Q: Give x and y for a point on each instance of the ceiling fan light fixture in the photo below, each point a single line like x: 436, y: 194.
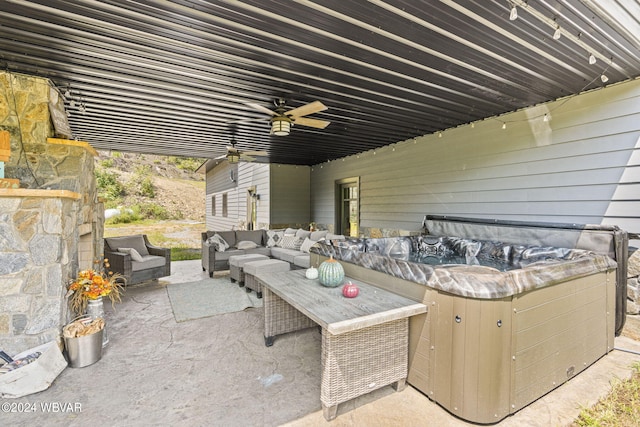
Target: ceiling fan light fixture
x: 233, y: 157
x: 280, y: 126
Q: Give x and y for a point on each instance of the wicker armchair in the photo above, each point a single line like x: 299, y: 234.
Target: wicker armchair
x: 146, y: 262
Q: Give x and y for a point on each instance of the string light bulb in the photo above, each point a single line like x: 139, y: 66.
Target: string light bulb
x: 513, y: 15
x: 557, y: 33
x: 504, y: 125
x: 545, y: 118
x: 604, y: 78
x: 592, y: 59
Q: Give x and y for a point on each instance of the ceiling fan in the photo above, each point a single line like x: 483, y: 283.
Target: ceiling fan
x: 234, y: 155
x: 284, y: 119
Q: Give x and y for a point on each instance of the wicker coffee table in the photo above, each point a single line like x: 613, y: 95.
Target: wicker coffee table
x: 364, y: 339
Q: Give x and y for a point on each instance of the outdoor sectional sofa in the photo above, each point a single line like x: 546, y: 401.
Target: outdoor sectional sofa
x: 290, y: 245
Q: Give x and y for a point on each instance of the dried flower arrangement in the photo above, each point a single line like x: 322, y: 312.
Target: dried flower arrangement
x: 92, y: 284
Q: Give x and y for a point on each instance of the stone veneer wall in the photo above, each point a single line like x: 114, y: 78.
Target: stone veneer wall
x: 40, y: 222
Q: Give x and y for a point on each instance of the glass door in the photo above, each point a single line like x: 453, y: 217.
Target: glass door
x: 349, y: 207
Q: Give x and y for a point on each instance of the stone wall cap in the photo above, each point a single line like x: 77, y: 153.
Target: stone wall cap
x: 30, y: 192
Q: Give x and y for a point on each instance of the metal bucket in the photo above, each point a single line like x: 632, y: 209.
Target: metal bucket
x: 84, y: 351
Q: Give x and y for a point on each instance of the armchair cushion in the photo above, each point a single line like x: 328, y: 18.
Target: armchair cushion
x: 135, y: 255
x: 149, y: 261
x: 136, y: 242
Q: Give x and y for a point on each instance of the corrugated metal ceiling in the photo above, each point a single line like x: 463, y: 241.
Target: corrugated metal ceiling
x: 175, y: 77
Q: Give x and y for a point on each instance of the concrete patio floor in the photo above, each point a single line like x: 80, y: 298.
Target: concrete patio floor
x: 217, y: 371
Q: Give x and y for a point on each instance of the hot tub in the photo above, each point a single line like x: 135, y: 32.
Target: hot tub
x: 506, y: 323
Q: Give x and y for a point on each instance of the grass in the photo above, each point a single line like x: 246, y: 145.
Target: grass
x: 620, y: 408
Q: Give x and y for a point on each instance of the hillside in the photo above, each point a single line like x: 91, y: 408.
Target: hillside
x: 165, y: 193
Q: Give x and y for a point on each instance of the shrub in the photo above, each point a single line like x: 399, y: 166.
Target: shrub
x: 107, y: 163
x: 108, y: 185
x: 147, y: 188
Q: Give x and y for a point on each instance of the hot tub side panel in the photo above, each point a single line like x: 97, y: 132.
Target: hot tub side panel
x: 471, y: 356
x: 559, y: 331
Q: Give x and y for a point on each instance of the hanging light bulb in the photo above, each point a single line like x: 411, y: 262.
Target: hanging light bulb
x: 546, y: 117
x: 557, y: 33
x: 72, y: 103
x: 67, y: 93
x: 514, y: 13
x: 592, y: 59
x: 504, y: 125
x: 604, y: 78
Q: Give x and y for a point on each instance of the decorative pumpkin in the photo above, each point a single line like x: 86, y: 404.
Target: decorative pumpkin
x: 331, y: 273
x: 350, y: 290
x: 311, y: 273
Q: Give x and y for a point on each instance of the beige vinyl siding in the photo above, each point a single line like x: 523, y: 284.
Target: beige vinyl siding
x: 581, y: 166
x: 258, y: 175
x: 289, y: 195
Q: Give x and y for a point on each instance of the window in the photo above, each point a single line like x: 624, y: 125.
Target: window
x: 224, y: 205
x: 213, y: 205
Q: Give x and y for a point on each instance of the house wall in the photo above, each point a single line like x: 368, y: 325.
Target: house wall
x: 290, y: 198
x: 219, y: 182
x: 581, y: 166
x: 284, y: 195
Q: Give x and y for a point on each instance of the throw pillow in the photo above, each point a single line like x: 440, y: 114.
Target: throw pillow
x: 218, y: 243
x: 135, y: 255
x: 290, y: 242
x: 274, y: 237
x: 246, y: 244
x: 306, y: 245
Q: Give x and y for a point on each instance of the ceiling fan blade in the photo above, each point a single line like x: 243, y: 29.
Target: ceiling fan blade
x: 247, y: 158
x: 314, y: 123
x: 261, y: 108
x: 255, y: 153
x: 241, y: 121
x: 224, y: 156
x: 310, y: 108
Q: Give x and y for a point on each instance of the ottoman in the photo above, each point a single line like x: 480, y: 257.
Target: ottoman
x: 236, y: 262
x: 254, y: 267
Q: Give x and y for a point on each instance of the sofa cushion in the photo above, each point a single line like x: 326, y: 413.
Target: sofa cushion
x: 246, y: 244
x: 229, y: 237
x: 219, y: 243
x: 224, y: 256
x: 135, y: 255
x: 302, y: 234
x: 274, y: 237
x: 285, y: 254
x: 290, y: 231
x: 148, y: 261
x: 261, y: 250
x: 255, y: 236
x: 331, y: 236
x: 317, y: 235
x: 303, y: 261
x: 136, y: 242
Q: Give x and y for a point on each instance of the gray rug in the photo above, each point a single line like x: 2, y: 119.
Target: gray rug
x: 209, y: 297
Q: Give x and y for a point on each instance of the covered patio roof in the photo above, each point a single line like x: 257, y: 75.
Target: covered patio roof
x: 176, y: 77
